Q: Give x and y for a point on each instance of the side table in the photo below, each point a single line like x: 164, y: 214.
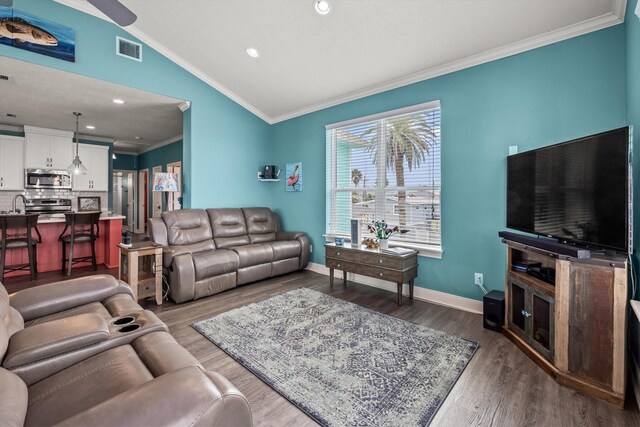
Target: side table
x: 141, y: 268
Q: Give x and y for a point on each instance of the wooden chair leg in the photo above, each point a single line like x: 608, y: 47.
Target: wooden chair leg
x: 64, y: 256
x: 35, y: 258
x: 32, y: 266
x: 70, y: 259
x: 3, y: 257
x: 93, y: 255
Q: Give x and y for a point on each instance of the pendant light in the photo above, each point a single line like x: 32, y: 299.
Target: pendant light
x: 76, y: 167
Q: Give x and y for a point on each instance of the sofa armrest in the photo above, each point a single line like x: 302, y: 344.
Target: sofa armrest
x: 288, y: 235
x: 187, y: 396
x: 13, y: 399
x: 158, y: 231
x: 305, y: 244
x: 182, y: 278
x: 53, y: 338
x: 56, y: 297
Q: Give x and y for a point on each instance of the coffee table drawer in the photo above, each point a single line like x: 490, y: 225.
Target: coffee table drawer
x: 365, y: 270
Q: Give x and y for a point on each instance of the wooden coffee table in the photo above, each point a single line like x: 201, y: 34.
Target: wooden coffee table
x: 398, y: 268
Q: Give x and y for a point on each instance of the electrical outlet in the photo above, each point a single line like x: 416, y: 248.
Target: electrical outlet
x: 479, y: 279
x: 310, y: 249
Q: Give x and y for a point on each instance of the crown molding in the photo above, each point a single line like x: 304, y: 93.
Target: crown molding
x: 521, y: 46
x: 616, y: 16
x: 161, y: 144
x: 12, y: 128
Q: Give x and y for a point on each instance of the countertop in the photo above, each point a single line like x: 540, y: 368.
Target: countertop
x: 53, y: 218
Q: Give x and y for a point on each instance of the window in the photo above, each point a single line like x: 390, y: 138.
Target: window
x: 387, y: 166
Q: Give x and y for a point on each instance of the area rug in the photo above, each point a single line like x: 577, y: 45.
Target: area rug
x: 342, y: 364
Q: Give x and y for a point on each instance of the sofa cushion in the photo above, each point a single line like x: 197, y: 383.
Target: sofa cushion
x: 250, y: 255
x: 229, y: 227
x: 187, y: 226
x: 173, y: 251
x: 260, y: 224
x: 285, y: 249
x: 215, y: 263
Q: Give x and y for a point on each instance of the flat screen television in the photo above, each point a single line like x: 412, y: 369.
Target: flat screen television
x: 576, y: 191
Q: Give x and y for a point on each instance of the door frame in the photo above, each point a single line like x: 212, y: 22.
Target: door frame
x: 159, y: 194
x: 143, y: 206
x: 135, y: 194
x: 173, y: 199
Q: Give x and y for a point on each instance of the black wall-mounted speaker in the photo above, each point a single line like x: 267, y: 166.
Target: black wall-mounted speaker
x: 493, y: 311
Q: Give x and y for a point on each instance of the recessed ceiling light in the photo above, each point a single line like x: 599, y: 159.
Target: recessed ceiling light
x: 253, y: 52
x: 91, y: 127
x: 323, y: 7
x: 118, y: 101
x: 137, y: 137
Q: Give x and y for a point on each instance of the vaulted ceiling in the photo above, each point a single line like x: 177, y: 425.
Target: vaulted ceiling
x: 308, y: 61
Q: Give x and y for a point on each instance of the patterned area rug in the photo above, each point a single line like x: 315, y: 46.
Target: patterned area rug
x: 341, y: 363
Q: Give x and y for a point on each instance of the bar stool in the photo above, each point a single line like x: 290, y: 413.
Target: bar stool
x: 83, y: 228
x: 17, y: 233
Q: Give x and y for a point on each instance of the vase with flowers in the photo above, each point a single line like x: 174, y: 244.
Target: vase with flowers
x: 383, y: 231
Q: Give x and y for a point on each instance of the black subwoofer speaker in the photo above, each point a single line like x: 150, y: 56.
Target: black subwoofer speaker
x: 493, y: 311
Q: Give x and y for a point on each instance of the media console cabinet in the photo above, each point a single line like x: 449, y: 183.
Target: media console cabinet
x: 373, y: 263
x: 575, y: 330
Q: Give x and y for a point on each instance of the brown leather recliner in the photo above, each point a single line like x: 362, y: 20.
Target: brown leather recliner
x: 139, y: 379
x: 207, y: 252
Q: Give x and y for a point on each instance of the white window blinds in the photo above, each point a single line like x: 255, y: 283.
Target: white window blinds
x: 387, y: 167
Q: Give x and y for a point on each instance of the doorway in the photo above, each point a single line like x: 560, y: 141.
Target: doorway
x: 125, y: 196
x: 157, y: 195
x: 175, y: 198
x: 143, y: 192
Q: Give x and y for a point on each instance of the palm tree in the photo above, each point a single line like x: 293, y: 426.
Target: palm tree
x: 356, y: 176
x: 406, y: 138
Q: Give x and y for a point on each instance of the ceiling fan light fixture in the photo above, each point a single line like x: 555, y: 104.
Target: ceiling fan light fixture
x: 322, y: 7
x: 253, y: 52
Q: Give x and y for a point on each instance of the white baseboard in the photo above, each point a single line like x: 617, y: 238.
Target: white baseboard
x: 436, y: 297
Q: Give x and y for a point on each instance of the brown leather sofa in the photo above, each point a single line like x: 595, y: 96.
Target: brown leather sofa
x: 102, y: 361
x: 209, y: 251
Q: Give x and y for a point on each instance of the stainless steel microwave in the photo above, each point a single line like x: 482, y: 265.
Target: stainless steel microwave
x: 47, y: 179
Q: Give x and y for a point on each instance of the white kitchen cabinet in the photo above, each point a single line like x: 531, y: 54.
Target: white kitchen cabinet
x: 47, y: 148
x: 96, y: 159
x: 11, y: 161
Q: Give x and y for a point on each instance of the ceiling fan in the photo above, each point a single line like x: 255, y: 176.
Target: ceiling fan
x: 115, y: 10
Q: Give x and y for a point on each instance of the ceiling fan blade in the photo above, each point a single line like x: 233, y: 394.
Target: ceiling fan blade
x: 6, y: 3
x: 115, y: 10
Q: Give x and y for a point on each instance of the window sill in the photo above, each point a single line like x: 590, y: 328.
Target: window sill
x: 426, y: 251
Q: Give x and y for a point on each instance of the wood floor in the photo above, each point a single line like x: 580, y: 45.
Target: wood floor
x: 499, y: 387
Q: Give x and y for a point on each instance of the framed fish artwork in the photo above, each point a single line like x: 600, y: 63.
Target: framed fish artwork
x: 25, y: 31
x: 294, y: 176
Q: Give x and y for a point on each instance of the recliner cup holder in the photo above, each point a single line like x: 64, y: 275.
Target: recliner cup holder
x: 124, y: 320
x: 129, y: 328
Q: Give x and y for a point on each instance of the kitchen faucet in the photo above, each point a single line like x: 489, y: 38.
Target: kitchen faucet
x: 15, y: 199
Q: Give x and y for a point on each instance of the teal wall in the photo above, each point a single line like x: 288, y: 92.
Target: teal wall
x: 632, y: 27
x: 222, y: 138
x: 125, y: 162
x: 544, y: 96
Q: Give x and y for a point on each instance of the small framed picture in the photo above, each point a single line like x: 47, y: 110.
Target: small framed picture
x: 88, y: 204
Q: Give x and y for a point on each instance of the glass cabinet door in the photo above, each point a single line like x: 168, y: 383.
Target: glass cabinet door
x: 517, y: 295
x: 542, y: 323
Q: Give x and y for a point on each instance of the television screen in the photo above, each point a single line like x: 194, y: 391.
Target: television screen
x: 576, y: 191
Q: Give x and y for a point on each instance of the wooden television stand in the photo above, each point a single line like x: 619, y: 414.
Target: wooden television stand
x: 575, y: 330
